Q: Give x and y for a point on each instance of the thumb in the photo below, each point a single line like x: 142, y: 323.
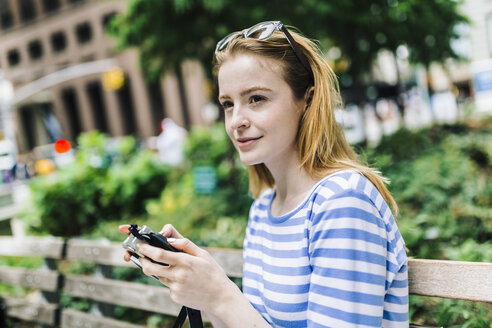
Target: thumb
x: 185, y: 245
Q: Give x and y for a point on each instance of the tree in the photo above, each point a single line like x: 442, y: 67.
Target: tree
x: 169, y: 31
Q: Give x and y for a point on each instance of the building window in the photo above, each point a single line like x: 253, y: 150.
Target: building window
x: 71, y: 106
x: 7, y: 20
x: 58, y: 41
x: 83, y: 32
x: 27, y: 12
x: 127, y: 111
x: 107, y: 18
x: 95, y: 95
x: 13, y: 57
x: 51, y: 5
x: 6, y: 15
x: 35, y: 49
x: 28, y: 121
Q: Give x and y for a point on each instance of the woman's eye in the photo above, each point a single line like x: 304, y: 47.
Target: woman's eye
x: 256, y: 99
x: 227, y: 104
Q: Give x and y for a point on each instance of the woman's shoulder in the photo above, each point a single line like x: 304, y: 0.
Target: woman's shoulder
x: 348, y: 186
x: 350, y: 189
x: 344, y: 181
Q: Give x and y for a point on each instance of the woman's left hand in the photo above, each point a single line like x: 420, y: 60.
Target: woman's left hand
x: 194, y: 278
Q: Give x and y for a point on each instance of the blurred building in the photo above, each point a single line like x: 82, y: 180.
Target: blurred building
x: 478, y: 40
x: 58, y: 43
x: 472, y: 77
x: 468, y: 79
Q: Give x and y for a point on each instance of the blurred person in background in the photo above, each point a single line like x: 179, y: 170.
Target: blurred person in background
x: 322, y: 248
x: 170, y: 142
x: 7, y: 159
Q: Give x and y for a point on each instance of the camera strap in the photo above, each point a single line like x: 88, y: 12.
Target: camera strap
x: 194, y: 318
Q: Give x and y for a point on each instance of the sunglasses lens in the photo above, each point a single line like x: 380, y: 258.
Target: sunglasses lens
x: 225, y: 41
x: 262, y: 31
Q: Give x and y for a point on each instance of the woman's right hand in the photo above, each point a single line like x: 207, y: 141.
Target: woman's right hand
x: 167, y: 231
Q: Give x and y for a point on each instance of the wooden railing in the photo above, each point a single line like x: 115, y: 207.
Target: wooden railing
x: 448, y: 279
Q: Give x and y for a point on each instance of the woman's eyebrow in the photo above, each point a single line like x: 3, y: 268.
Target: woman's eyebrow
x: 252, y: 89
x: 247, y: 91
x: 223, y: 97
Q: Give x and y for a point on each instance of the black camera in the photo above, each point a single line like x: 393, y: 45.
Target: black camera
x: 145, y: 235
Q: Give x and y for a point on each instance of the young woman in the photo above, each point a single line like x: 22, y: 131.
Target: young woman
x: 322, y: 248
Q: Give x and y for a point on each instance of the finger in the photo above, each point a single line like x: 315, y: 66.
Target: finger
x: 170, y: 232
x: 124, y: 229
x: 186, y: 246
x: 158, y: 254
x: 153, y: 269
x: 127, y: 256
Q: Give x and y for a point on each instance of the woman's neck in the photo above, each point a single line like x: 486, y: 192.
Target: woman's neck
x: 292, y: 183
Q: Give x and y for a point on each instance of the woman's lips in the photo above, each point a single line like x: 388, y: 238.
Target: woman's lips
x: 246, y: 142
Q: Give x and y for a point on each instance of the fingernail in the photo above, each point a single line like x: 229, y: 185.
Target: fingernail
x: 171, y: 240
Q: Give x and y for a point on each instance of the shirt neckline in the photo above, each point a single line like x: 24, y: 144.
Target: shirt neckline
x: 286, y: 216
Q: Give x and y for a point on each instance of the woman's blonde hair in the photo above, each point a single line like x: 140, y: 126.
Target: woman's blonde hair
x: 321, y: 144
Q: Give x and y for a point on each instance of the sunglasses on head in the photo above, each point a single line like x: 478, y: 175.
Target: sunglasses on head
x: 263, y: 31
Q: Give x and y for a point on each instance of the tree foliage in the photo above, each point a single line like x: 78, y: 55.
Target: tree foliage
x: 169, y: 31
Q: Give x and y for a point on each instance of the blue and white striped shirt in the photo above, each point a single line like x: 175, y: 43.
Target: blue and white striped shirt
x: 337, y: 260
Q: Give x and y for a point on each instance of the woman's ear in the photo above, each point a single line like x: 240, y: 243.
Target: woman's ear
x: 308, y: 96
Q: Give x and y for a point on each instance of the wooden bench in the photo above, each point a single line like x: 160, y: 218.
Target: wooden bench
x: 9, y: 210
x: 448, y: 279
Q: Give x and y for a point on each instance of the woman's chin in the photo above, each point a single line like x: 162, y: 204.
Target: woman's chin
x: 248, y: 160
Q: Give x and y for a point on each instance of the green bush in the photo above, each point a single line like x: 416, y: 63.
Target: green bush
x: 107, y: 181
x: 441, y: 179
x: 444, y: 193
x: 128, y: 186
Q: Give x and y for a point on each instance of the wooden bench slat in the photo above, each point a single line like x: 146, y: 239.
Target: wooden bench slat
x: 30, y: 311
x: 100, y: 252
x: 451, y: 279
x: 231, y: 260
x: 39, y: 279
x: 134, y: 295
x: 110, y: 253
x: 51, y: 247
x: 76, y: 319
x: 9, y: 212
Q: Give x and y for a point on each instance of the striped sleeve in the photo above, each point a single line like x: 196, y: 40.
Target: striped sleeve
x: 348, y: 253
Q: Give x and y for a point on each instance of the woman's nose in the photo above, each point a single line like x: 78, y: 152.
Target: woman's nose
x: 239, y: 120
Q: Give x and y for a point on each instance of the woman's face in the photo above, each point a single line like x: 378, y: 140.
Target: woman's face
x: 261, y: 113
